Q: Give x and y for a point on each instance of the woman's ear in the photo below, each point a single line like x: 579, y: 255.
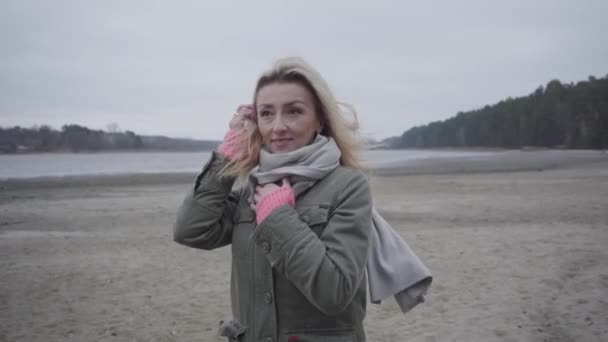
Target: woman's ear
x: 321, y: 129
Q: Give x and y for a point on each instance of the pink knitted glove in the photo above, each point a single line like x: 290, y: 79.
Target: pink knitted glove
x: 229, y: 147
x: 274, y: 199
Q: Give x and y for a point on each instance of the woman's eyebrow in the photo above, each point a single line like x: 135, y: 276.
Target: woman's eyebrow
x: 290, y: 103
x: 294, y: 102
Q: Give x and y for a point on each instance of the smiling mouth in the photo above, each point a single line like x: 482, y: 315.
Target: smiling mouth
x: 281, y: 140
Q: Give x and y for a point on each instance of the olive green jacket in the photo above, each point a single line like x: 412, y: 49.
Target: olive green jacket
x: 300, y: 274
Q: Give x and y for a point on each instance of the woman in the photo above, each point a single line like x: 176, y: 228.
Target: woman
x: 300, y: 229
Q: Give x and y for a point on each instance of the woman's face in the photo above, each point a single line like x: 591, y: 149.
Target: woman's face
x: 286, y: 116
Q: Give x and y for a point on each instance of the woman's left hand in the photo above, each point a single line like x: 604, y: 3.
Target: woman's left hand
x: 263, y: 190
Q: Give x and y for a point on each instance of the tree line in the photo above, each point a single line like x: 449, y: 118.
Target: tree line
x: 73, y: 138
x: 558, y: 115
x: 77, y: 138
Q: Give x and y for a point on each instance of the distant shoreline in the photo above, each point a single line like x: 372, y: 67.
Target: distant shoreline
x: 508, y: 161
x: 464, y: 149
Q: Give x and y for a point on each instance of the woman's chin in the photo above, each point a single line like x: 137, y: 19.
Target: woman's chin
x: 281, y: 150
x: 282, y: 147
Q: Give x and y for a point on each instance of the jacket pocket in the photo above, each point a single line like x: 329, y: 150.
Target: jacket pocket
x: 315, y: 217
x: 232, y: 330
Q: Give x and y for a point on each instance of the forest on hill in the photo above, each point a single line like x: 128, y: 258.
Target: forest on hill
x: 556, y: 116
x: 77, y: 138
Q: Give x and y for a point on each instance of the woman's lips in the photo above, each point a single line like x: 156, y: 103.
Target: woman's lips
x: 281, y: 142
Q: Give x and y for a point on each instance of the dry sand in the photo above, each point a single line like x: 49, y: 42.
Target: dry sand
x: 517, y: 256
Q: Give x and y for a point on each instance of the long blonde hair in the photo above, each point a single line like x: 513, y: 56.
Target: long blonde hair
x: 330, y: 112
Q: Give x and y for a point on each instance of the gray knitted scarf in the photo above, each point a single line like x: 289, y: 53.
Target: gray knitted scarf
x: 392, y: 267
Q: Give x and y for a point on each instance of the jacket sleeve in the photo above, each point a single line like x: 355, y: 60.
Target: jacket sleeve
x: 327, y: 269
x: 205, y: 218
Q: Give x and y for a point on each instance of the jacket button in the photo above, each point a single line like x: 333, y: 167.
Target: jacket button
x: 305, y: 219
x: 265, y: 246
x: 268, y: 297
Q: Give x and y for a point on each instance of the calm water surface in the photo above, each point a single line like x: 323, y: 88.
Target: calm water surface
x: 44, y: 165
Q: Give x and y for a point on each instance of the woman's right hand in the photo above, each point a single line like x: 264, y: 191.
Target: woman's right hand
x: 243, y: 117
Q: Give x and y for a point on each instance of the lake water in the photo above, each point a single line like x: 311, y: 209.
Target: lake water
x: 45, y: 165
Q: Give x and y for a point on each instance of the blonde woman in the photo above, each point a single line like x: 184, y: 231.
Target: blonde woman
x: 299, y: 232
x: 302, y: 230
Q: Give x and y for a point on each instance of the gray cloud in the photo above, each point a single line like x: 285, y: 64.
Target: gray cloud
x: 180, y: 68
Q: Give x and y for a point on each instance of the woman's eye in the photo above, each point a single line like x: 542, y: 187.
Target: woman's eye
x: 264, y: 113
x: 294, y: 111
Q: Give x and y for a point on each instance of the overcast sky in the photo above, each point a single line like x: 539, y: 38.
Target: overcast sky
x: 180, y: 68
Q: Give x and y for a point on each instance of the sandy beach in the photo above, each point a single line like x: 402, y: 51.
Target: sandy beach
x: 518, y: 247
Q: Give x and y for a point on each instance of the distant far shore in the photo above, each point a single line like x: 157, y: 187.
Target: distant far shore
x: 506, y: 161
x: 150, y: 150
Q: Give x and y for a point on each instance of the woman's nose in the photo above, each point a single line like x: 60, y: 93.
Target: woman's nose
x: 278, y: 124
